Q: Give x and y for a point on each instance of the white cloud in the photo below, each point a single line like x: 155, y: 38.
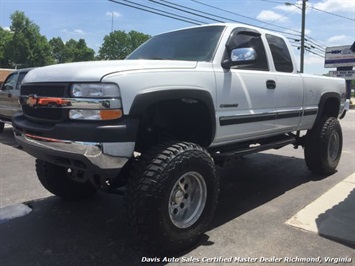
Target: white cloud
x: 113, y: 13
x: 312, y: 59
x: 5, y: 28
x: 268, y: 15
x: 336, y: 5
x: 74, y: 32
x: 340, y: 40
x: 79, y: 31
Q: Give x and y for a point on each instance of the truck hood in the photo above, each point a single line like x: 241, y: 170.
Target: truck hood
x: 94, y: 71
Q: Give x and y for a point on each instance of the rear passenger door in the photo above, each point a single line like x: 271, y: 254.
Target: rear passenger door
x: 288, y: 91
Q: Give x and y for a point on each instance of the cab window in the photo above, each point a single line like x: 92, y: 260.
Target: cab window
x: 280, y: 53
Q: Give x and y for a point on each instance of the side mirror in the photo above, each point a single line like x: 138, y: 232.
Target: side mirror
x: 240, y: 56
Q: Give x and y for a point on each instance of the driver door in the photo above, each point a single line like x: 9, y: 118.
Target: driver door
x: 6, y: 94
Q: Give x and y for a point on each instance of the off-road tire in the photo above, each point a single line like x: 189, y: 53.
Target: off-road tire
x: 155, y: 180
x: 2, y: 126
x: 57, y: 181
x: 323, y: 146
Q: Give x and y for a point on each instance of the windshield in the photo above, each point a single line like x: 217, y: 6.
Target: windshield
x: 195, y: 44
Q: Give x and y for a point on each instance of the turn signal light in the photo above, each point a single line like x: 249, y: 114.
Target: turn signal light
x: 110, y: 114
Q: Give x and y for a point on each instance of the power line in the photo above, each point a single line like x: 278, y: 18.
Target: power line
x: 330, y: 13
x: 281, y: 17
x: 189, y: 12
x: 243, y: 16
x: 192, y: 20
x: 260, y: 21
x: 160, y: 12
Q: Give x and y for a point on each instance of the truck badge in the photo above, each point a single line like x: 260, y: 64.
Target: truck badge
x: 31, y: 100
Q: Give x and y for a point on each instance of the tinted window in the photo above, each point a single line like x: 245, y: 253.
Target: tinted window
x: 195, y: 44
x: 280, y: 53
x: 20, y: 78
x: 244, y: 39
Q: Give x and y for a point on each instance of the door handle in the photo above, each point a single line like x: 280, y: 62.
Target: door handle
x: 271, y: 84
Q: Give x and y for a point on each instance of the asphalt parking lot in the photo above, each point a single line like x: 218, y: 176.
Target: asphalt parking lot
x: 259, y: 194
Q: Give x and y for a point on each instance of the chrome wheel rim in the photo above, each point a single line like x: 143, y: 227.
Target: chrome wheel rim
x: 334, y: 146
x: 187, y: 199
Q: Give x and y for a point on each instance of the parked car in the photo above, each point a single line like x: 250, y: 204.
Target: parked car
x: 9, y: 96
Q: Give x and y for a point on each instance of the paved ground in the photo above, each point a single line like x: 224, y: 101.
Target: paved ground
x: 259, y: 194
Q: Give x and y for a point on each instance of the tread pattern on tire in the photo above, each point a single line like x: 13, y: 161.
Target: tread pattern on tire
x: 148, y: 180
x: 317, y: 145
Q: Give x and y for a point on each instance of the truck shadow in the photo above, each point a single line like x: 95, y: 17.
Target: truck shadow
x: 96, y: 232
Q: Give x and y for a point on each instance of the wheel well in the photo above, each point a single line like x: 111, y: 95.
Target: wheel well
x: 178, y: 119
x: 330, y: 107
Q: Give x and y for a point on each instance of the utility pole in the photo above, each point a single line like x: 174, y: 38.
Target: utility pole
x: 303, y: 33
x: 112, y: 22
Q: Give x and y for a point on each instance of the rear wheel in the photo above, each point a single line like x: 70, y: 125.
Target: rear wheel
x: 324, y: 146
x: 56, y: 179
x: 172, y: 195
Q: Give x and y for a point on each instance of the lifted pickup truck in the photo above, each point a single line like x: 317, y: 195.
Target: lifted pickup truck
x: 153, y: 126
x: 9, y: 96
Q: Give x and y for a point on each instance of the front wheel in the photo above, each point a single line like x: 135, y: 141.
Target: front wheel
x: 172, y: 195
x: 324, y: 146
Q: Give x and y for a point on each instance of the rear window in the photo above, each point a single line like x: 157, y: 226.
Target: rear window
x: 280, y: 53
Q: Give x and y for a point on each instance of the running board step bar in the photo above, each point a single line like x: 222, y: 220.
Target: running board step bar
x: 266, y: 145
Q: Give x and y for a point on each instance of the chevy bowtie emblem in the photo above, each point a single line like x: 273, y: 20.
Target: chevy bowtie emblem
x: 31, y: 100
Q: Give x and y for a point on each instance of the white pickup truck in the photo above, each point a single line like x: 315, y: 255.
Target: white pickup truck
x: 153, y: 126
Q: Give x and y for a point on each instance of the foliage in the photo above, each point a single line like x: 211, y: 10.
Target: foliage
x: 71, y: 51
x: 5, y: 37
x: 24, y: 46
x: 27, y: 47
x: 119, y: 44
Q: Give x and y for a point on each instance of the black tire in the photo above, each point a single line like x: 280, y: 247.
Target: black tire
x: 2, y: 126
x: 324, y: 146
x: 167, y: 182
x: 57, y: 181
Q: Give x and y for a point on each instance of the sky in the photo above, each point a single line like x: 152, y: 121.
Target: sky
x: 328, y: 22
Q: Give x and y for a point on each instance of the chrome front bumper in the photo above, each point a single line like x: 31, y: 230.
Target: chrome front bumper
x: 88, y: 155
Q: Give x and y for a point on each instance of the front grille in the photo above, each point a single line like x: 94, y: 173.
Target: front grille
x: 50, y: 90
x: 45, y: 115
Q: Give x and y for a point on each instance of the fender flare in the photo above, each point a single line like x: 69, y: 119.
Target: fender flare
x: 142, y: 101
x: 323, y: 100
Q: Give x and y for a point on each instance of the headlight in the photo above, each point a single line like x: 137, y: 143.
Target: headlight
x: 94, y: 90
x: 91, y: 109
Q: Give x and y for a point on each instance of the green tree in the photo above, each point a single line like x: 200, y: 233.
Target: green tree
x: 82, y: 52
x: 5, y: 37
x: 71, y: 51
x: 119, y: 44
x: 27, y: 47
x: 58, y: 49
